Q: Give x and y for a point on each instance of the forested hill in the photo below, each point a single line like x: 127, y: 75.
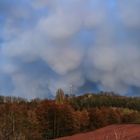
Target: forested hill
x: 106, y: 99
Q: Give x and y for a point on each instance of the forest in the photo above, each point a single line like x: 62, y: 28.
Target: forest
x: 46, y: 119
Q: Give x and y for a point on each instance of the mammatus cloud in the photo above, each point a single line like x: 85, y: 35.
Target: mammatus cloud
x: 69, y: 43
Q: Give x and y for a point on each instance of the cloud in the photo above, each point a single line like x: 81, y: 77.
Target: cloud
x: 116, y: 68
x: 71, y: 43
x: 129, y: 13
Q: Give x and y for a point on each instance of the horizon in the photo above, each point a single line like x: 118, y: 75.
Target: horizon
x: 104, y: 93
x: 77, y: 45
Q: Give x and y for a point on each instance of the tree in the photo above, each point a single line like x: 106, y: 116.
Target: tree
x: 60, y: 97
x: 96, y: 118
x: 56, y: 120
x: 82, y: 119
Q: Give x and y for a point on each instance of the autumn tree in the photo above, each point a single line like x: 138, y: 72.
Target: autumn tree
x: 55, y: 120
x: 96, y: 118
x: 82, y: 118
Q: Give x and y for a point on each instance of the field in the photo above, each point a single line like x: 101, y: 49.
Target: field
x: 113, y: 132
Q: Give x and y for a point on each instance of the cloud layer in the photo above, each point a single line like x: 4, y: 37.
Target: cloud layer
x: 48, y: 44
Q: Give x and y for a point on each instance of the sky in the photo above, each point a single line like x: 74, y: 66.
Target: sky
x: 77, y: 45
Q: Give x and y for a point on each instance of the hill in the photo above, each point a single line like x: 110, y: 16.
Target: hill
x: 113, y: 132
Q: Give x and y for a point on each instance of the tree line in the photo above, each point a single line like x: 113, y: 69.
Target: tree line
x: 107, y: 99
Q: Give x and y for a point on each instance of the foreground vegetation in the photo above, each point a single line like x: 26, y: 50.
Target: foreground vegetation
x: 66, y: 115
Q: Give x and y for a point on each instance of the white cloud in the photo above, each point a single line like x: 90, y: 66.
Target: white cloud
x: 109, y: 60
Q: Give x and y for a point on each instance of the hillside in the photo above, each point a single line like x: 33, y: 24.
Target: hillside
x: 113, y: 132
